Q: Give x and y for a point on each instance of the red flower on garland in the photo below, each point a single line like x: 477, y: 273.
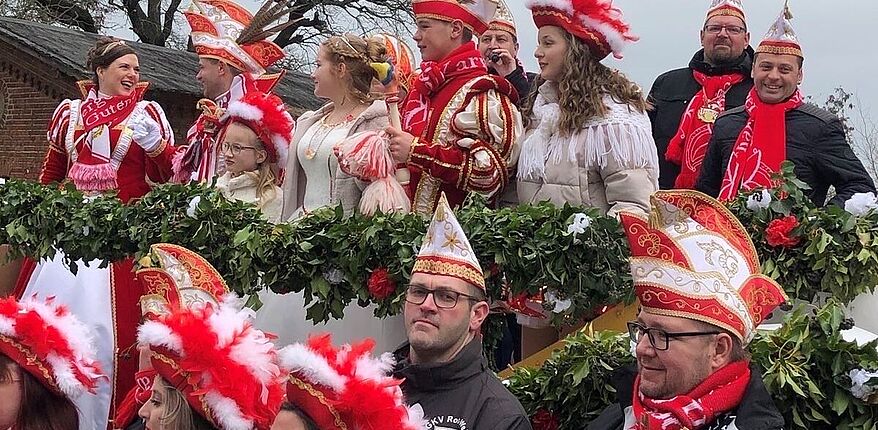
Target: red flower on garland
x: 544, y: 420
x: 778, y: 232
x: 380, y: 284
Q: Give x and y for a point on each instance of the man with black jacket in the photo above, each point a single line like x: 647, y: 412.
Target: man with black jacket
x: 697, y: 315
x: 685, y: 102
x: 499, y: 48
x: 749, y: 143
x: 443, y: 367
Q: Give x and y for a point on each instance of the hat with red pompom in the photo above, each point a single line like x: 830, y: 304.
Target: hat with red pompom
x: 596, y: 22
x: 224, y: 367
x: 346, y: 387
x: 267, y: 116
x: 51, y: 344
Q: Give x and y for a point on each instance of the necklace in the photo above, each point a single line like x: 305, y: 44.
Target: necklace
x: 324, y: 129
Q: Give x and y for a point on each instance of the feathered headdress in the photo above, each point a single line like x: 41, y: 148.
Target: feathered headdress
x: 267, y: 116
x: 224, y: 367
x: 225, y: 30
x: 345, y: 388
x: 51, y: 344
x: 596, y: 22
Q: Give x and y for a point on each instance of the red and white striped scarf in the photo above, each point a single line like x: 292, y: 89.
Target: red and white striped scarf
x: 761, y: 147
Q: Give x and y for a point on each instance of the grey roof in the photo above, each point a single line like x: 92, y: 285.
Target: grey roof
x: 168, y: 70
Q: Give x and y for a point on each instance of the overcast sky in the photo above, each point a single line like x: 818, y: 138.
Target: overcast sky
x: 835, y: 36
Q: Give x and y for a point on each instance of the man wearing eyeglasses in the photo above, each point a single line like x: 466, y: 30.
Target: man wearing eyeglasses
x: 443, y: 367
x: 750, y: 143
x: 685, y: 102
x: 697, y: 276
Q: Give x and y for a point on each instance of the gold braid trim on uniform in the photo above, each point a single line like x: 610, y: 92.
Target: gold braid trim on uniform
x: 317, y: 394
x: 33, y: 360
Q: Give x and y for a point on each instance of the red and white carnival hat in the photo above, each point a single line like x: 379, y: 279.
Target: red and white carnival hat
x: 224, y: 367
x: 267, y: 116
x: 475, y: 14
x: 726, y: 8
x: 345, y: 387
x: 595, y: 22
x: 51, y: 344
x: 693, y: 259
x: 781, y: 39
x: 226, y: 31
x: 176, y: 277
x: 446, y: 250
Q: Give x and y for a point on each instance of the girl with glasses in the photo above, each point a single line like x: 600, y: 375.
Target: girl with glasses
x: 254, y: 146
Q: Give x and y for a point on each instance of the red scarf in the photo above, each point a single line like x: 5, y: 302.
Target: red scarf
x: 721, y: 392
x: 464, y: 60
x: 109, y: 111
x: 689, y: 146
x: 761, y: 146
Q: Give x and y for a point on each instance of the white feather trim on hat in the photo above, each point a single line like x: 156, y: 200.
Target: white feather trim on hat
x: 6, y: 327
x: 226, y: 412
x: 614, y: 37
x: 244, y: 111
x: 157, y: 334
x: 301, y: 359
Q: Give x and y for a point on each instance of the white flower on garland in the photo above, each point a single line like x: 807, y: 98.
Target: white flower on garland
x: 580, y: 222
x: 89, y: 198
x: 559, y: 306
x: 333, y: 276
x: 759, y: 201
x: 859, y: 380
x: 861, y: 203
x: 193, y: 206
x: 2, y: 182
x: 86, y: 230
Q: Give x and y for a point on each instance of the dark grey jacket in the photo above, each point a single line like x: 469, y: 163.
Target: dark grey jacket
x: 816, y: 144
x: 463, y: 394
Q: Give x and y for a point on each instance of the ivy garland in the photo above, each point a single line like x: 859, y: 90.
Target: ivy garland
x: 807, y: 367
x: 326, y: 255
x: 573, y: 252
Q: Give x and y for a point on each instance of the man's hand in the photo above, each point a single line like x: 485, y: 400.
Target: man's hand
x: 505, y: 63
x: 400, y: 144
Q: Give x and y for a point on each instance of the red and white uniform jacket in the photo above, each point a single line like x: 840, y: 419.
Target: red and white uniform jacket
x: 465, y: 136
x: 135, y: 169
x: 202, y: 159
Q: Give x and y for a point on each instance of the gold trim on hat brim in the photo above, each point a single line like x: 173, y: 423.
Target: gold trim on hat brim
x: 444, y: 267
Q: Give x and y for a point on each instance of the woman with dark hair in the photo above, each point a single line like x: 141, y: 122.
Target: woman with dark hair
x: 110, y: 141
x: 588, y: 141
x: 46, y: 359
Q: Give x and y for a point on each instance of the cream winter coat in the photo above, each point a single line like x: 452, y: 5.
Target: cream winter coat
x: 243, y: 188
x: 346, y: 188
x: 611, y: 164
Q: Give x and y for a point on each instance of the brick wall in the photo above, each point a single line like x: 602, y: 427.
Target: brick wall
x: 25, y: 111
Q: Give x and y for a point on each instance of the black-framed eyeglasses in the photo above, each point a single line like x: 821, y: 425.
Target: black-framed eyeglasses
x: 444, y: 298
x: 236, y: 149
x: 733, y: 30
x: 658, y: 338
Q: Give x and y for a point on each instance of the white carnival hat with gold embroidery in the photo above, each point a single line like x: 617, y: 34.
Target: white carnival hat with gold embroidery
x: 726, y: 8
x: 503, y: 19
x: 781, y: 39
x: 446, y: 250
